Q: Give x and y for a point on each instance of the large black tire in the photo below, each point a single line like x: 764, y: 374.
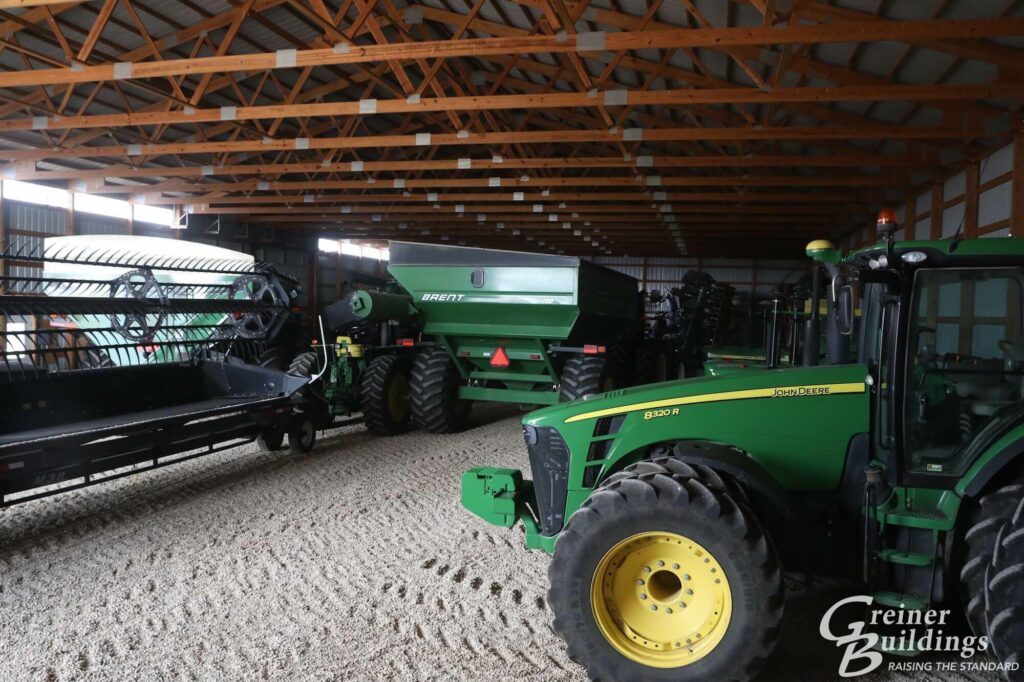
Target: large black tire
x: 665, y: 495
x: 303, y: 365
x: 1004, y: 593
x: 651, y: 365
x: 272, y: 358
x: 985, y: 518
x: 434, y: 393
x: 384, y: 395
x: 584, y: 375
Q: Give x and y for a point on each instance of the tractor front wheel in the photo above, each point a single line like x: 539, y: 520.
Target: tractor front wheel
x: 434, y: 393
x: 663, y: 575
x: 384, y: 395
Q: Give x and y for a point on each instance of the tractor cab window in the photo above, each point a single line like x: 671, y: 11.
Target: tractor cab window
x: 965, y: 364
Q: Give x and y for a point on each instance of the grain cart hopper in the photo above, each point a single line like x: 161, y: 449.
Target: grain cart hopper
x: 514, y: 327
x: 363, y: 361
x: 118, y: 353
x: 673, y: 509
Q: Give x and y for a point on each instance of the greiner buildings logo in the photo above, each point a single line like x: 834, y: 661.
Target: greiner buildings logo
x: 905, y: 631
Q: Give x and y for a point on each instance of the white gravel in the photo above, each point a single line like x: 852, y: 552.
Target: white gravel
x: 355, y: 561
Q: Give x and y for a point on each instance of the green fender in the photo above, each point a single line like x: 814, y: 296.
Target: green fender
x: 1006, y: 450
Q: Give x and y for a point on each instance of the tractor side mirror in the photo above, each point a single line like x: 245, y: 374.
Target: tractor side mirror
x: 844, y: 310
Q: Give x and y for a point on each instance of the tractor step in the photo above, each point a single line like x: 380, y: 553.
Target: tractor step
x: 895, y: 556
x: 911, y: 602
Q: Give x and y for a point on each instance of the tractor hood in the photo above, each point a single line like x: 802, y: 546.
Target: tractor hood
x: 789, y: 382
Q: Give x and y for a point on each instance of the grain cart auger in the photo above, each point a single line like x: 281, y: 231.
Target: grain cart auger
x: 118, y: 354
x: 672, y: 509
x: 363, y: 361
x: 514, y: 327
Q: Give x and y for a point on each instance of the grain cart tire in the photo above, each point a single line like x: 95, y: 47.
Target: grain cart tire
x: 270, y: 440
x: 434, y: 393
x: 1004, y: 593
x: 663, y: 575
x: 384, y: 395
x: 985, y: 518
x: 301, y: 434
x: 584, y: 375
x: 271, y: 358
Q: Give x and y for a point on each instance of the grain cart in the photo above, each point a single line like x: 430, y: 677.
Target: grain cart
x: 363, y: 361
x: 672, y: 509
x: 514, y: 327
x: 118, y: 354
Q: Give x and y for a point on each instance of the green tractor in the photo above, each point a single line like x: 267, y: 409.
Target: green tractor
x: 671, y: 510
x: 361, y: 365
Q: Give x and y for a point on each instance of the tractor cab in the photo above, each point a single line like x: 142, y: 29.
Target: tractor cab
x: 941, y: 334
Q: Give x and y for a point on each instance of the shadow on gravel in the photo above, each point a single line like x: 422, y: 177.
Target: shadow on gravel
x: 77, y: 511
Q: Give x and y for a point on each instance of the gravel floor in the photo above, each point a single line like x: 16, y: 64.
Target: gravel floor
x: 352, y: 562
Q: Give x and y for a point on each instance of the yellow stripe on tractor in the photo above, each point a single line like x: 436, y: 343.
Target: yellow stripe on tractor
x: 773, y: 392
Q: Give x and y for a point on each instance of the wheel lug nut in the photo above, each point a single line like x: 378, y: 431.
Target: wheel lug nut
x: 643, y: 596
x: 647, y: 569
x: 675, y: 566
x: 689, y: 591
x: 682, y: 605
x: 686, y: 576
x: 668, y: 609
x: 660, y: 562
x: 654, y: 607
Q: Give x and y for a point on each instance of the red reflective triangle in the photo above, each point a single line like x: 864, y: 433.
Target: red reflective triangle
x: 500, y: 358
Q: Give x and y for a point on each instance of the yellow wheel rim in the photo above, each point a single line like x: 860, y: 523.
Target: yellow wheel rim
x: 398, y: 397
x: 661, y: 599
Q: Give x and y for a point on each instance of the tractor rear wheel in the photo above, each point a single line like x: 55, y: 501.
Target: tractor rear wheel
x: 984, y: 521
x: 663, y: 575
x: 584, y: 375
x: 384, y: 395
x: 304, y: 365
x: 1004, y: 591
x: 434, y: 393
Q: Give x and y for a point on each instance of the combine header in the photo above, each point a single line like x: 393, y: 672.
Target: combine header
x: 124, y: 353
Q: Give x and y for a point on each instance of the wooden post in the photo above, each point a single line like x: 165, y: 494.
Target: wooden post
x: 910, y: 217
x: 1017, y: 184
x: 3, y: 268
x: 971, y: 175
x: 936, y: 211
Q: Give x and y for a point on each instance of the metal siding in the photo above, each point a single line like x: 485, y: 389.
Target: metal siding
x: 955, y: 186
x: 994, y: 205
x: 86, y: 223
x: 923, y: 204
x: 952, y: 218
x: 32, y: 218
x: 997, y: 163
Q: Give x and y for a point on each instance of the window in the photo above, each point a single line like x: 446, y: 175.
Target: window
x: 350, y: 249
x: 157, y: 215
x: 30, y: 193
x: 966, y: 363
x: 105, y: 206
x: 328, y: 245
x: 371, y: 252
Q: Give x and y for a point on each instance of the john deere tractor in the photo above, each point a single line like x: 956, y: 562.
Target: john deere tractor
x: 671, y: 510
x: 361, y: 365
